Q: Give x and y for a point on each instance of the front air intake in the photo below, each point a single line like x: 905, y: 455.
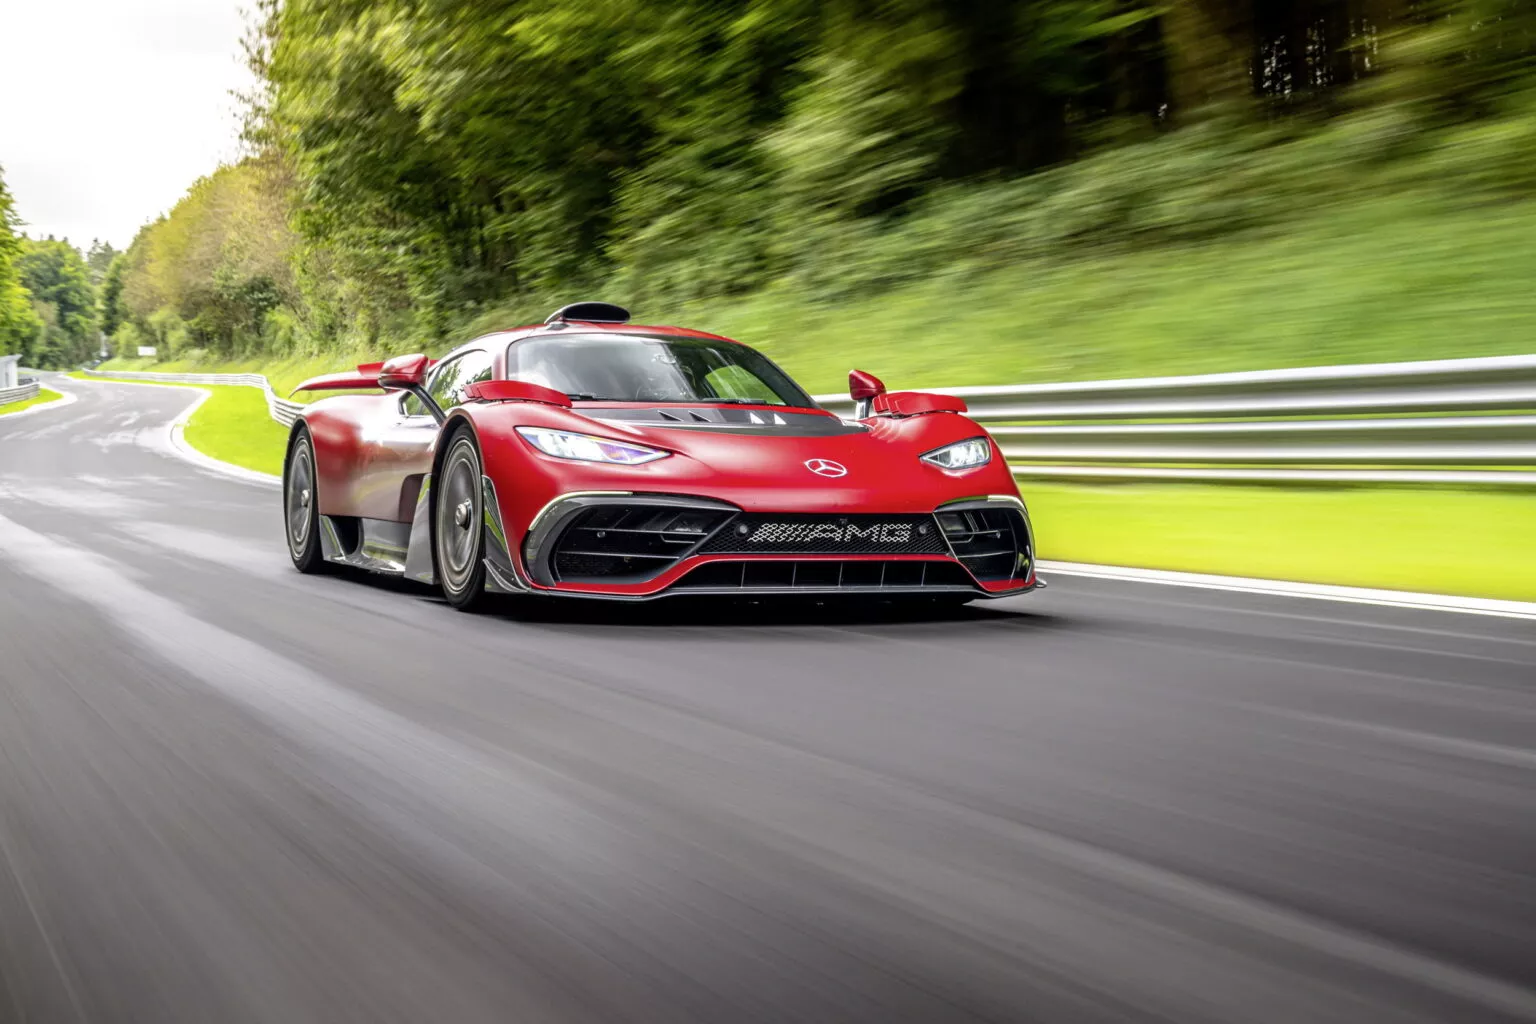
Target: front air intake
x: 629, y: 543
x: 990, y: 541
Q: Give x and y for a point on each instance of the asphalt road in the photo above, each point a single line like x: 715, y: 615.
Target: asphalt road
x: 232, y: 793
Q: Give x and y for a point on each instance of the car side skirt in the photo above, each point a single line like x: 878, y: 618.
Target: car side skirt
x: 377, y: 545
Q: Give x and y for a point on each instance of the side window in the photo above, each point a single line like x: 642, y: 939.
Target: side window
x: 441, y: 384
x: 448, y: 380
x: 435, y: 380
x: 481, y: 365
x: 448, y: 387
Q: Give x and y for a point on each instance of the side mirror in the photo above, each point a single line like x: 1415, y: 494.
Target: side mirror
x: 404, y: 373
x: 863, y: 388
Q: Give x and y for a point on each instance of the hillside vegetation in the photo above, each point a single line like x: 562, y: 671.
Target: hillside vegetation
x: 942, y: 193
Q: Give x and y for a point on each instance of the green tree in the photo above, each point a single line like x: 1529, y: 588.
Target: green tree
x: 59, y: 281
x: 19, y: 322
x: 218, y: 263
x: 416, y: 163
x: 99, y: 259
x: 111, y: 295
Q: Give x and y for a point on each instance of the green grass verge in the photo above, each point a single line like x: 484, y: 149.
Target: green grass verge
x: 1472, y: 543
x: 43, y: 397
x: 233, y: 426
x: 1382, y: 281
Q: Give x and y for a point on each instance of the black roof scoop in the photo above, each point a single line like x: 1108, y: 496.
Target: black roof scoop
x: 590, y: 313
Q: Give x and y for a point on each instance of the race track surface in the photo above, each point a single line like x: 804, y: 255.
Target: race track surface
x: 232, y: 793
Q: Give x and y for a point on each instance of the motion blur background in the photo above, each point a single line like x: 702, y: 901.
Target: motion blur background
x: 230, y: 792
x: 943, y: 192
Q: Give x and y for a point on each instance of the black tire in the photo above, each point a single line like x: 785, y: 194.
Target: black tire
x: 301, y: 506
x: 458, y: 524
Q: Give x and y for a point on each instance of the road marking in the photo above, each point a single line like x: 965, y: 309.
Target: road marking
x: 1288, y: 588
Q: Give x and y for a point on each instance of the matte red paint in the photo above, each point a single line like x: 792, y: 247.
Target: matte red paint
x: 369, y: 452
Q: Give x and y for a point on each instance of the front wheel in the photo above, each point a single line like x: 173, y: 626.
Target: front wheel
x: 301, y: 506
x: 458, y: 533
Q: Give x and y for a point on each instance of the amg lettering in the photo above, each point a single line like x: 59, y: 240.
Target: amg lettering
x: 879, y: 533
x: 782, y: 534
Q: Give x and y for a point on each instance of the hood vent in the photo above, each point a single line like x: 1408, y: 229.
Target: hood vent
x: 732, y: 420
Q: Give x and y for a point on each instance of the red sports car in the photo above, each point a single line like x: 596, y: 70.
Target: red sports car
x: 592, y: 458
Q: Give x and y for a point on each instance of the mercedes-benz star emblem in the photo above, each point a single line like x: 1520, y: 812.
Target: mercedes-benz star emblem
x: 826, y: 467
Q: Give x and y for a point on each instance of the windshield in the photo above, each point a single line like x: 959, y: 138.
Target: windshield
x: 642, y: 368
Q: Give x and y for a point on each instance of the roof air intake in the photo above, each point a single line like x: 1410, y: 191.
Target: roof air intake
x: 591, y: 313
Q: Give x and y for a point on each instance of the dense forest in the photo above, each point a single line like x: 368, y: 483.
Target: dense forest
x: 19, y: 323
x: 49, y: 295
x: 421, y: 168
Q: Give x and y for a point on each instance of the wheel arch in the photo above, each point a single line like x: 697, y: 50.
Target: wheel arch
x: 450, y: 428
x: 505, y: 570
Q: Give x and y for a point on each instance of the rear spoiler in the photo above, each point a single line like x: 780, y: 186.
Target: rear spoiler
x: 364, y: 378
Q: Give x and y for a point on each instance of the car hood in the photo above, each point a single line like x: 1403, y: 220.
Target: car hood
x: 875, y: 464
x: 743, y: 421
x: 794, y: 446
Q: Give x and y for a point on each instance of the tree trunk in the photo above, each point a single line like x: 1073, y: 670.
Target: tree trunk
x: 1209, y: 44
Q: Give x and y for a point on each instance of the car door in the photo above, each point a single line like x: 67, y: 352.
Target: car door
x: 401, y: 452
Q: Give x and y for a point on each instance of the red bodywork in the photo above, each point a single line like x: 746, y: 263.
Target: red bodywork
x: 371, y: 458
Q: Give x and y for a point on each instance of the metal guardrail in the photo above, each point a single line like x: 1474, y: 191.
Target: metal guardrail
x: 1444, y: 421
x: 19, y: 394
x: 1367, y: 423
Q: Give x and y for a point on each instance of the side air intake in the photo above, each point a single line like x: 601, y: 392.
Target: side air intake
x: 629, y: 543
x: 991, y: 541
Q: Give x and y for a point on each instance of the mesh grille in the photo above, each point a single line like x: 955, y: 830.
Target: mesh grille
x: 991, y: 542
x: 629, y: 543
x: 804, y: 534
x: 829, y: 575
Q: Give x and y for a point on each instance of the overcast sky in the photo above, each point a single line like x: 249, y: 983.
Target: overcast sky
x: 109, y: 109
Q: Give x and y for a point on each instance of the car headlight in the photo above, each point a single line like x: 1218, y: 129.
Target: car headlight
x: 563, y: 444
x: 968, y: 454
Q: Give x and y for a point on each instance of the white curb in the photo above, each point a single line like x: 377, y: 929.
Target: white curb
x: 57, y: 403
x: 1287, y: 588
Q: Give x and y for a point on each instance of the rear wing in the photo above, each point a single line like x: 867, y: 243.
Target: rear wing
x: 364, y: 378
